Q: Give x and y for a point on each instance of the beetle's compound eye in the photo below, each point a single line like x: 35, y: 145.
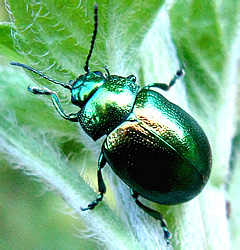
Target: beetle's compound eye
x: 99, y: 73
x: 132, y: 78
x: 74, y: 100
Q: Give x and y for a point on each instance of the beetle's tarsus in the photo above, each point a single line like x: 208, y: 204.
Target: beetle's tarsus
x: 179, y: 74
x: 167, y: 235
x: 93, y: 204
x: 156, y: 215
x: 37, y: 91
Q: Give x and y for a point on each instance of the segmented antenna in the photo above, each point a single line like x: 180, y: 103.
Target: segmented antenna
x: 86, y: 67
x: 65, y: 85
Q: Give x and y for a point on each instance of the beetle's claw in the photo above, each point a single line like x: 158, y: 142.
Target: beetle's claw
x: 90, y: 206
x: 85, y: 208
x: 180, y: 73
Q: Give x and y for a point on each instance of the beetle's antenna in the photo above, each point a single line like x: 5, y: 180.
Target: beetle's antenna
x: 86, y: 67
x: 65, y: 85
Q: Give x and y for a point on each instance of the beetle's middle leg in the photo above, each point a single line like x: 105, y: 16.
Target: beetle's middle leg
x: 156, y: 215
x: 101, y: 184
x: 55, y: 100
x: 180, y: 73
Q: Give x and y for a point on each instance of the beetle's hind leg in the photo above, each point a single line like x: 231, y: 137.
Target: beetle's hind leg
x: 156, y: 215
x: 101, y: 184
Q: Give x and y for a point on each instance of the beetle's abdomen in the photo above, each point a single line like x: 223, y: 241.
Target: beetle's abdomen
x: 164, y: 156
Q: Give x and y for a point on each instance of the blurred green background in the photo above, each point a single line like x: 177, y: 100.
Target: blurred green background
x: 30, y: 219
x: 30, y: 216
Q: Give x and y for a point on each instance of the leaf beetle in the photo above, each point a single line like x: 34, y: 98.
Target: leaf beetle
x: 153, y: 145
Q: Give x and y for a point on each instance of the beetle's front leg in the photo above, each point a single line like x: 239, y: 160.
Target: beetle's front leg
x: 101, y: 184
x: 55, y: 100
x: 156, y: 215
x: 180, y: 73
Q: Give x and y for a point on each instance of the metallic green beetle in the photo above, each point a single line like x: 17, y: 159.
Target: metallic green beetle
x: 153, y: 145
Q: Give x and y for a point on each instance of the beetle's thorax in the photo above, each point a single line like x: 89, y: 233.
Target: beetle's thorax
x: 109, y: 104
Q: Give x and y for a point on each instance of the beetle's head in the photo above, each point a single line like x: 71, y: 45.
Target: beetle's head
x: 85, y: 86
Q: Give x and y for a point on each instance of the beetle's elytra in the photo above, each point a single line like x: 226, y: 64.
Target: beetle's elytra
x: 153, y: 145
